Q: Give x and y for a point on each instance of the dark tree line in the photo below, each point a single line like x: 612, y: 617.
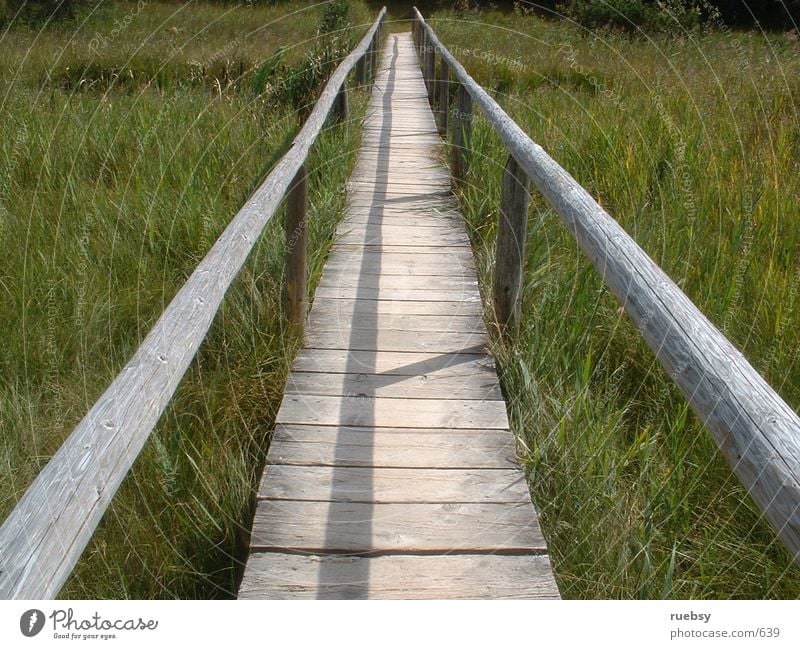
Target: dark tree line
x: 783, y: 14
x: 779, y: 14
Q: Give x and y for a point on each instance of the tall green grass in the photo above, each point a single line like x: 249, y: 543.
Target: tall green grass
x: 691, y: 142
x: 110, y: 194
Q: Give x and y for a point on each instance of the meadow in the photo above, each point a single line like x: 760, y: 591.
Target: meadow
x: 131, y: 136
x: 690, y: 140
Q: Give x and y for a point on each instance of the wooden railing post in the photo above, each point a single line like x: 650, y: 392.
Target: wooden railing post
x: 361, y: 71
x: 341, y: 106
x: 444, y: 96
x: 373, y: 56
x: 462, y: 129
x: 510, y: 251
x: 296, y: 208
x: 429, y: 61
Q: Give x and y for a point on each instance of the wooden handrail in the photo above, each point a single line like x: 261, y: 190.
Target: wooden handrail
x: 757, y: 432
x: 45, y: 534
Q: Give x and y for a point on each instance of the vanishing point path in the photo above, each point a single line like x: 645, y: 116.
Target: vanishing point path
x: 392, y: 471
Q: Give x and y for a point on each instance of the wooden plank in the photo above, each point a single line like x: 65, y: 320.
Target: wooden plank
x: 465, y: 295
x: 371, y: 265
x: 419, y: 201
x: 350, y: 306
x: 420, y: 448
x: 421, y: 323
x: 435, y: 237
x: 396, y: 341
x: 46, y: 533
x: 380, y: 192
x: 416, y: 282
x: 395, y: 363
x: 409, y: 252
x: 479, y: 385
x: 274, y: 575
x: 394, y: 219
x: 401, y: 413
x: 378, y: 485
x: 757, y: 432
x: 386, y: 256
x: 318, y: 527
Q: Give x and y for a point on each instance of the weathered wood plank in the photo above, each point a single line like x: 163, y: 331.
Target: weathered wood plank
x: 380, y: 255
x: 396, y: 363
x: 317, y: 527
x: 378, y: 485
x: 323, y: 321
x: 435, y: 238
x: 393, y: 219
x: 420, y: 448
x: 397, y: 341
x: 402, y: 413
x: 275, y: 575
x: 360, y: 306
x: 415, y: 282
x: 398, y: 267
x: 478, y: 386
x: 464, y: 295
x: 47, y: 531
x: 400, y: 252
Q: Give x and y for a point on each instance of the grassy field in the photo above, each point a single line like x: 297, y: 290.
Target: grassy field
x: 690, y: 141
x: 130, y: 138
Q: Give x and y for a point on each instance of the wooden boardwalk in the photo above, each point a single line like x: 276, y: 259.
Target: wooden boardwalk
x: 392, y: 471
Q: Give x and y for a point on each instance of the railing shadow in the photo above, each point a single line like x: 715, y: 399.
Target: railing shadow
x: 353, y: 577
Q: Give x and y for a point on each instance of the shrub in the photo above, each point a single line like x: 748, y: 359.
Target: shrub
x: 40, y: 12
x: 650, y: 15
x: 334, y: 16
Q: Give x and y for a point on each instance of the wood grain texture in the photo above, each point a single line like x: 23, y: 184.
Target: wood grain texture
x: 48, y: 529
x: 394, y: 282
x: 393, y: 485
x: 463, y: 295
x: 476, y: 386
x: 368, y: 410
x: 409, y: 340
x: 757, y: 432
x: 273, y: 575
x: 419, y: 448
x: 334, y: 527
x: 399, y: 322
x: 467, y: 362
x: 354, y: 308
